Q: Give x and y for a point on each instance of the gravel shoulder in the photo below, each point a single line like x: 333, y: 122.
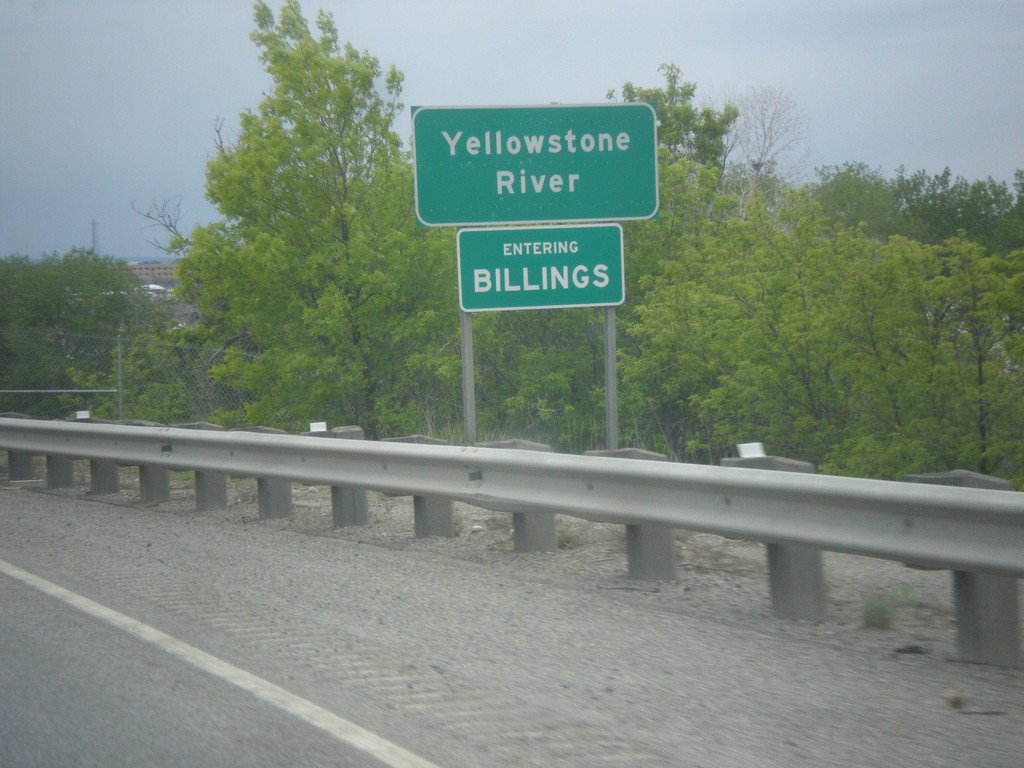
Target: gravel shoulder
x: 691, y: 672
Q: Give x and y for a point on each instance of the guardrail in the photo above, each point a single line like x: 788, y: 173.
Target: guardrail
x: 977, y: 533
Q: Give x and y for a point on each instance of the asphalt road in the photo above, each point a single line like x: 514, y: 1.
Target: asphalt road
x: 77, y: 691
x: 170, y: 638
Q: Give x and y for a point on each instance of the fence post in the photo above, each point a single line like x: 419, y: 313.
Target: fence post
x: 211, y: 487
x: 987, y: 604
x: 273, y: 494
x: 432, y: 515
x: 531, y: 531
x: 650, y: 547
x: 349, y: 505
x: 795, y: 573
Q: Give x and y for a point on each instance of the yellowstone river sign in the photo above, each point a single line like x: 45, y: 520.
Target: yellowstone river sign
x: 533, y: 165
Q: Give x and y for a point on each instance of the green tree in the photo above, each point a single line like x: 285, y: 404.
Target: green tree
x: 60, y: 321
x: 332, y: 304
x: 932, y: 352
x: 78, y: 292
x: 1010, y: 232
x: 865, y: 357
x: 684, y: 129
x: 856, y: 196
x: 776, y: 278
x: 934, y: 209
x: 540, y: 376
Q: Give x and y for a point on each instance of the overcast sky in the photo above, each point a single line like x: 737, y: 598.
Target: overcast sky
x: 110, y: 104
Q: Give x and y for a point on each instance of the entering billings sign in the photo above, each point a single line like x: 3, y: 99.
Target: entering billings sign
x: 540, y: 267
x: 527, y: 165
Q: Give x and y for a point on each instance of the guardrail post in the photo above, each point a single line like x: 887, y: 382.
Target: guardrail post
x: 103, y: 474
x: 349, y: 505
x: 650, y: 547
x: 103, y: 477
x: 795, y: 573
x: 60, y: 472
x: 987, y: 604
x: 19, y: 463
x: 432, y: 515
x: 154, y: 483
x: 154, y: 480
x: 211, y: 487
x: 273, y: 494
x: 531, y: 531
x: 19, y: 466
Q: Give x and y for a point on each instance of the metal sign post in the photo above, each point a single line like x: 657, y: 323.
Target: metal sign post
x: 468, y: 380
x: 611, y: 382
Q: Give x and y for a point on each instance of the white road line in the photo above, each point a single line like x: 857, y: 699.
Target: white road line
x: 381, y: 749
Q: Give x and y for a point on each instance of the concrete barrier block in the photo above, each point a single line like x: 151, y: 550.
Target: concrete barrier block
x: 273, y: 494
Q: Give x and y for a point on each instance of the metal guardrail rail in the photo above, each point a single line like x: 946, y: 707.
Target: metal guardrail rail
x: 965, y: 530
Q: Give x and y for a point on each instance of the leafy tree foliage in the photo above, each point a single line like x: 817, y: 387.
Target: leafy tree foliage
x: 60, y: 320
x: 856, y: 196
x: 1009, y: 235
x: 866, y: 357
x: 684, y: 129
x: 79, y: 291
x: 936, y: 208
x: 331, y: 302
x: 922, y: 207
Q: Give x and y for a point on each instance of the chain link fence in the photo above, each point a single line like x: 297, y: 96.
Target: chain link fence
x: 53, y: 374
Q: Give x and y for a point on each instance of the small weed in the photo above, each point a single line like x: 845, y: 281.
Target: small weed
x: 879, y: 607
x: 877, y: 612
x: 571, y: 539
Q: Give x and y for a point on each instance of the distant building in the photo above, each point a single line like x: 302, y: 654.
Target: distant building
x: 162, y: 273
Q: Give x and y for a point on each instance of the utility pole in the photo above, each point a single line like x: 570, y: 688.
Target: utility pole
x: 95, y: 225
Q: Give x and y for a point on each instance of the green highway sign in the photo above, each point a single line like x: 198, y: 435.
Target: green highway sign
x: 540, y: 267
x: 532, y: 165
